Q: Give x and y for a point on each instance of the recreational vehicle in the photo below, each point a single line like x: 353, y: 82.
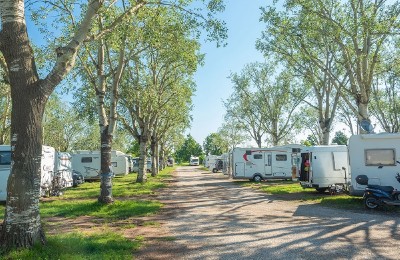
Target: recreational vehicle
x: 324, y: 167
x: 210, y: 161
x: 194, y: 161
x: 226, y: 163
x: 88, y: 163
x: 264, y: 163
x: 377, y: 156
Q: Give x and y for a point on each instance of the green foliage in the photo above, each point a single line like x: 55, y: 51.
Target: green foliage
x: 189, y: 147
x: 340, y: 138
x: 215, y: 144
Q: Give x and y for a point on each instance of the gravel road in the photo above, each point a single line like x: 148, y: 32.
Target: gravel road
x: 207, y: 216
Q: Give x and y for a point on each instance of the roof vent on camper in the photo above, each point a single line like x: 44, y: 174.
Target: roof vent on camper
x: 362, y: 179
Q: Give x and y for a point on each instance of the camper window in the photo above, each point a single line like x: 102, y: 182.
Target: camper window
x: 86, y: 159
x: 114, y: 164
x: 281, y: 157
x: 380, y: 157
x: 258, y: 156
x: 5, y: 158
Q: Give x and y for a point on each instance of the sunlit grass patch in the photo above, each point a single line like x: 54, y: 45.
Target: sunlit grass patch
x: 117, y: 210
x: 81, y: 246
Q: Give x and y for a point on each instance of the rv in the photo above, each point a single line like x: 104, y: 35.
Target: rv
x: 324, y: 167
x: 226, y: 163
x: 51, y: 162
x: 377, y: 156
x: 210, y: 162
x: 88, y: 163
x: 194, y: 161
x: 264, y: 163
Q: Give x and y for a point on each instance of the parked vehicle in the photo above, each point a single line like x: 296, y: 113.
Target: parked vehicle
x: 259, y: 164
x: 226, y: 163
x: 377, y: 195
x: 210, y: 160
x: 218, y: 165
x: 170, y: 162
x: 194, y: 161
x: 324, y: 168
x: 375, y: 156
x: 88, y: 163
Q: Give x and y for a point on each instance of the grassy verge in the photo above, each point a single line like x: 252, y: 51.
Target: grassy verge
x: 293, y: 191
x: 131, y: 200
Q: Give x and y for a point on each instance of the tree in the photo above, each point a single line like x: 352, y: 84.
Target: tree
x: 189, y: 147
x: 233, y: 134
x: 215, y: 144
x: 340, y: 138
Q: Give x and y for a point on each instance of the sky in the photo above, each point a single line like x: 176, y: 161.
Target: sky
x: 213, y: 85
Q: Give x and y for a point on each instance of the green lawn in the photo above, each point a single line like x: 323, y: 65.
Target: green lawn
x: 131, y: 200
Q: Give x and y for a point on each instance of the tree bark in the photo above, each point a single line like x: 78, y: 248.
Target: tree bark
x: 142, y: 174
x: 106, y: 173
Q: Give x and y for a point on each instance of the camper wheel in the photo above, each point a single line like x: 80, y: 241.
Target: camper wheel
x: 257, y: 178
x: 214, y: 170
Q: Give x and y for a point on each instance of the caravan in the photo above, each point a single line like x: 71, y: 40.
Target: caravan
x: 377, y: 156
x: 88, y: 163
x: 264, y: 163
x: 211, y: 162
x: 194, y: 161
x: 324, y: 167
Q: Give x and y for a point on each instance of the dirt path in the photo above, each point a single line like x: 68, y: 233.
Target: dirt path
x: 207, y: 216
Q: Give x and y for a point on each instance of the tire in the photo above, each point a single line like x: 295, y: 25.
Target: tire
x: 214, y: 170
x: 257, y: 178
x: 371, y: 202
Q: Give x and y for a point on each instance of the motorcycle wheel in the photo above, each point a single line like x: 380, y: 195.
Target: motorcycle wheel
x: 371, y: 202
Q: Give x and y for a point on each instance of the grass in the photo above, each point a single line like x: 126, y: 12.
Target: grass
x: 298, y: 193
x: 131, y: 200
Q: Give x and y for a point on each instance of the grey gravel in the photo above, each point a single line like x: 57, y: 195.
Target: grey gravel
x: 214, y: 218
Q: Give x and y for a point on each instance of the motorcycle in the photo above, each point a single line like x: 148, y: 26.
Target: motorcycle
x: 377, y: 195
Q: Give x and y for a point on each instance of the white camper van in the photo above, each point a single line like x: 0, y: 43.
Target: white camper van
x: 210, y: 162
x: 88, y: 163
x: 264, y: 163
x: 376, y: 156
x: 327, y: 167
x: 194, y: 161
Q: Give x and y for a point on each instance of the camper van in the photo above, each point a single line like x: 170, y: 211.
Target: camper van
x: 210, y: 162
x: 324, y: 167
x: 194, y: 161
x: 88, y: 163
x: 51, y: 162
x: 264, y: 163
x: 226, y: 163
x: 377, y: 156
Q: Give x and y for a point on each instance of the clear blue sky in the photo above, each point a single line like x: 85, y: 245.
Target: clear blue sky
x: 213, y: 85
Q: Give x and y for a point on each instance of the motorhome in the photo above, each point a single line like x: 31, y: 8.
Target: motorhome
x: 48, y: 167
x: 194, y: 161
x: 324, y: 167
x: 88, y: 163
x: 264, y: 163
x: 210, y: 162
x: 226, y: 163
x: 377, y: 156
x: 63, y: 166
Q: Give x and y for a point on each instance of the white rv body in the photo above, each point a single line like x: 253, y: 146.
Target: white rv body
x: 47, y: 165
x: 88, y: 163
x: 63, y: 165
x: 194, y: 161
x: 376, y: 156
x: 47, y: 169
x: 264, y: 163
x: 328, y: 166
x: 210, y: 161
x: 225, y: 163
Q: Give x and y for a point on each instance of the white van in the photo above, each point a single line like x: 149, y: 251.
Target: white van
x: 194, y: 161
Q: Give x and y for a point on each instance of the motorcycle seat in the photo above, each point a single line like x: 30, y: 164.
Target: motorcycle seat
x: 389, y: 189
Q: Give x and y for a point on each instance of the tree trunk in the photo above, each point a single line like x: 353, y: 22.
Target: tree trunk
x: 22, y: 226
x: 106, y: 173
x: 362, y: 115
x: 142, y: 172
x: 153, y: 158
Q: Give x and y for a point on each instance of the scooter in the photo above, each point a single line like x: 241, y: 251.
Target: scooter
x: 377, y: 195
